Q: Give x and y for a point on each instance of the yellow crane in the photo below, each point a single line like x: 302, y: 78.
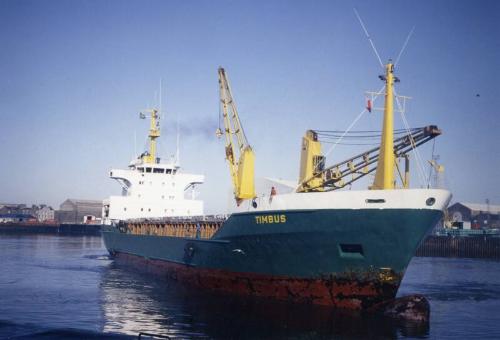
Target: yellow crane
x: 381, y: 160
x: 312, y: 163
x: 239, y: 153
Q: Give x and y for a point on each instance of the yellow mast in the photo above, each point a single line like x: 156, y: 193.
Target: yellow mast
x: 154, y: 132
x: 384, y: 176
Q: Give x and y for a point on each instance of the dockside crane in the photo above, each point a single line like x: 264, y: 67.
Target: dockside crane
x: 239, y: 153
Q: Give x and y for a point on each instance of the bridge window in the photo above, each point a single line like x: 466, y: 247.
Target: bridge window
x: 169, y: 171
x: 140, y: 169
x: 158, y: 170
x: 148, y: 169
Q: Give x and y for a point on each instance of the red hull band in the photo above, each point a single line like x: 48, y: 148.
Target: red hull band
x: 346, y: 292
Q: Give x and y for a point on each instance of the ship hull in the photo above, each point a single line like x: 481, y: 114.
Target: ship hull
x: 341, y: 292
x: 345, y: 258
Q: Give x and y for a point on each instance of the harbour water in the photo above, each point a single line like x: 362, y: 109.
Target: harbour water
x: 67, y: 287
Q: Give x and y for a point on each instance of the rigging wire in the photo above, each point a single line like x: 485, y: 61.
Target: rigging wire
x: 354, y: 134
x: 359, y: 131
x: 343, y: 135
x: 350, y: 126
x: 368, y: 36
x: 373, y: 144
x: 421, y: 171
x: 372, y: 140
x: 430, y: 165
x: 334, y: 145
x: 404, y: 46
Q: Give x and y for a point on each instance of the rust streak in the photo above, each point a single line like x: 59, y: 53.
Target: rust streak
x: 348, y: 291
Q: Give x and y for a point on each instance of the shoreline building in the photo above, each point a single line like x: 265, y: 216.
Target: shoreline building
x: 77, y: 210
x: 16, y: 218
x: 474, y: 215
x: 45, y: 214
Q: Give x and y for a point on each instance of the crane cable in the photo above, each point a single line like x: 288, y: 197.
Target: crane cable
x: 350, y: 126
x: 421, y: 171
x: 357, y: 137
x: 431, y: 165
x: 343, y: 134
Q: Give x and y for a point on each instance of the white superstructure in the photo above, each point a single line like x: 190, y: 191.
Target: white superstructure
x: 151, y: 188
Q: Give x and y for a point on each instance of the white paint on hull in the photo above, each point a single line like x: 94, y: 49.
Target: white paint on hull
x: 359, y: 199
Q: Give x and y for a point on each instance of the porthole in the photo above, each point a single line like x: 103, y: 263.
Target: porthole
x: 430, y: 201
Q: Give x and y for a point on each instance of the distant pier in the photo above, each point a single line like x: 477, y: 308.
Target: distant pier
x: 477, y: 246
x: 60, y: 229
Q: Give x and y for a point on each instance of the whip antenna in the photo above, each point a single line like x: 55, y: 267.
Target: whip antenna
x: 404, y: 46
x: 368, y: 36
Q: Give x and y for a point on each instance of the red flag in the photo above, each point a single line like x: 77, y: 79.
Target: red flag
x: 369, y: 105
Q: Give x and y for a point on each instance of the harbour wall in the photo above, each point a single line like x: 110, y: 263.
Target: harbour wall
x: 60, y: 229
x: 485, y: 247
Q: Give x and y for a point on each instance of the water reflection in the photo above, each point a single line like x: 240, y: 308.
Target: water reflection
x: 50, y: 282
x: 136, y: 302
x: 53, y: 283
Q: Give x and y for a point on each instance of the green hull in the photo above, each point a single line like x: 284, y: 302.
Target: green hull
x: 347, y: 258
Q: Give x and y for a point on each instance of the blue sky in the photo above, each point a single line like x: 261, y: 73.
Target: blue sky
x: 75, y: 74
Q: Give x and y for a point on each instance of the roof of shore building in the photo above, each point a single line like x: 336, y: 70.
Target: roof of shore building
x: 80, y: 202
x: 491, y: 208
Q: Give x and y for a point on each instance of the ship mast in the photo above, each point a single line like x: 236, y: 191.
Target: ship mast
x: 384, y: 175
x: 154, y: 132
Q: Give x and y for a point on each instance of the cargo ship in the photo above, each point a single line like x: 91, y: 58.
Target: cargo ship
x: 319, y: 243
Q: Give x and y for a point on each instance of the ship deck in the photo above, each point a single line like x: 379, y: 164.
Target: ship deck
x: 201, y: 227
